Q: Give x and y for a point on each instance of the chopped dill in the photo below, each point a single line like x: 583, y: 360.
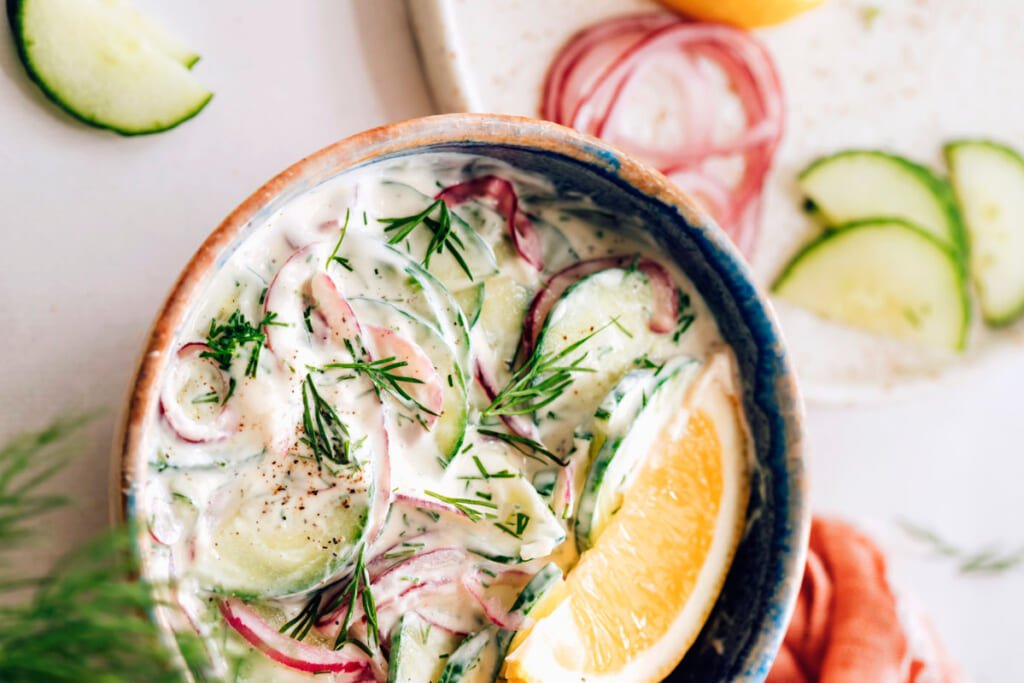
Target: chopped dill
x: 341, y: 260
x: 467, y: 506
x: 227, y: 338
x: 325, y: 433
x: 442, y: 236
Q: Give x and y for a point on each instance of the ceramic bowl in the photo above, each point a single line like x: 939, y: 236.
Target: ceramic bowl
x: 748, y: 622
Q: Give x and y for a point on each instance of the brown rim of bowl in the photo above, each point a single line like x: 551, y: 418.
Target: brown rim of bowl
x: 143, y: 392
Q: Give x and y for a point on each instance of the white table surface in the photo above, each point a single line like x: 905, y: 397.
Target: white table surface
x: 96, y: 227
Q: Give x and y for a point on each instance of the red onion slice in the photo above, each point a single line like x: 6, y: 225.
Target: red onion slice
x: 187, y: 427
x: 492, y: 606
x: 335, y: 309
x: 293, y: 653
x: 588, y: 86
x: 663, y: 317
x: 524, y: 236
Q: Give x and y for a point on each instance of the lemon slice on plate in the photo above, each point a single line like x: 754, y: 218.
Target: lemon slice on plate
x: 635, y: 602
x: 743, y: 13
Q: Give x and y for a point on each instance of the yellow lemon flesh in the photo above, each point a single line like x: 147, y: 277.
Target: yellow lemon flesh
x: 636, y: 601
x: 742, y: 13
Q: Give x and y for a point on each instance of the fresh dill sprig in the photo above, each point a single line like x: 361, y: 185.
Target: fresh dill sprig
x: 358, y: 588
x: 986, y: 561
x: 521, y: 521
x: 685, y: 314
x: 525, y: 445
x: 484, y: 474
x: 382, y: 374
x: 88, y: 618
x: 540, y: 380
x: 209, y: 397
x: 340, y: 260
x: 442, y: 235
x: 299, y: 626
x: 467, y: 506
x: 227, y: 338
x: 325, y: 434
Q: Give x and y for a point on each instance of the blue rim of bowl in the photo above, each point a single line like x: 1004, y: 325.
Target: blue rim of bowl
x: 774, y: 381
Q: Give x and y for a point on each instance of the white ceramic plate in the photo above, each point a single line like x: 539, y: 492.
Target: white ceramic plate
x: 894, y: 74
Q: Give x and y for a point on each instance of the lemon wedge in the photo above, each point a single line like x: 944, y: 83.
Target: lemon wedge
x: 635, y: 602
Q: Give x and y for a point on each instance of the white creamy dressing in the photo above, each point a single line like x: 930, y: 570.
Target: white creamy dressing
x: 253, y: 513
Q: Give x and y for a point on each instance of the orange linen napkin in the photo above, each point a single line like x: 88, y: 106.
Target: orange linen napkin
x: 849, y: 627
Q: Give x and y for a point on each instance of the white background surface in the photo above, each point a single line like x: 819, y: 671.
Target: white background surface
x: 96, y: 227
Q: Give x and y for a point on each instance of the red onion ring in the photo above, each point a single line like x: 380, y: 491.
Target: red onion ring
x: 585, y: 84
x: 663, y: 317
x: 524, y: 236
x: 188, y: 429
x: 290, y: 652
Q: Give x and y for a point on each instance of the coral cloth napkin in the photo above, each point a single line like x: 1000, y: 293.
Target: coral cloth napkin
x: 849, y: 626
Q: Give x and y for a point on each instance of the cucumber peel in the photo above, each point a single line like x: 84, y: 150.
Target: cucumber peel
x: 856, y: 185
x: 988, y: 180
x: 106, y: 65
x: 883, y: 275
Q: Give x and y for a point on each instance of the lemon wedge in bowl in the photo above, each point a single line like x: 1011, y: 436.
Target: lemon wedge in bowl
x: 743, y: 13
x: 637, y: 599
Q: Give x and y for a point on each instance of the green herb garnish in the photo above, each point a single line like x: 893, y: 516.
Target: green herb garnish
x: 341, y: 260
x: 325, y: 433
x: 442, y: 236
x: 540, y: 380
x: 515, y: 527
x: 467, y: 506
x: 382, y: 374
x: 484, y: 474
x: 88, y: 618
x: 525, y: 445
x: 227, y: 338
x: 986, y: 561
x: 685, y: 315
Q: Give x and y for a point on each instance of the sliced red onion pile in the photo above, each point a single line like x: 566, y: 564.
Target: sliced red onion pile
x: 595, y: 85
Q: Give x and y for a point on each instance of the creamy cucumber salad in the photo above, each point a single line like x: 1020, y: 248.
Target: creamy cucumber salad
x: 400, y: 410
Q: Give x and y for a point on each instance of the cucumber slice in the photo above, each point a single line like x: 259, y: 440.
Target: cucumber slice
x: 857, y: 185
x: 475, y: 660
x: 988, y: 179
x: 471, y: 300
x: 450, y: 428
x: 146, y: 29
x: 886, y: 276
x: 103, y: 67
x: 479, y: 258
x: 259, y: 540
x: 589, y: 307
x: 419, y: 652
x: 643, y: 405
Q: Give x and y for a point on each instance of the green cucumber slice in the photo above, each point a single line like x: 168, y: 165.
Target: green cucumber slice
x: 145, y: 28
x: 589, y: 307
x: 988, y: 179
x: 479, y: 658
x: 259, y: 540
x: 105, y: 67
x: 475, y: 251
x: 885, y: 276
x: 475, y: 660
x: 471, y: 300
x: 856, y: 185
x: 418, y: 651
x: 450, y: 428
x: 640, y: 406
